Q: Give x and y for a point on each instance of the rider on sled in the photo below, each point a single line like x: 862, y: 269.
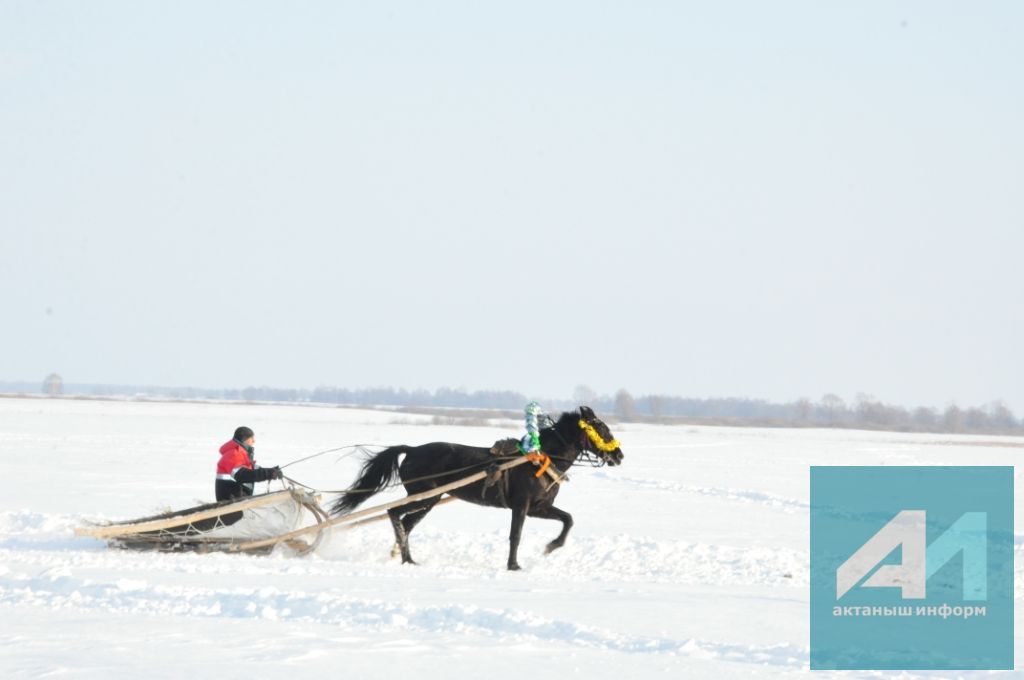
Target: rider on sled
x: 237, y: 471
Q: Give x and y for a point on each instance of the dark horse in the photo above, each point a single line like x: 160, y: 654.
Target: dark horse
x: 429, y: 466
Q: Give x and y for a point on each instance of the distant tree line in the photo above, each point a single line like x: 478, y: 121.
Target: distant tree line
x: 389, y: 396
x: 374, y: 396
x: 831, y: 410
x: 865, y: 411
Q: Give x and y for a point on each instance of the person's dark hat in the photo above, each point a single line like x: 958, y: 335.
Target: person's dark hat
x: 243, y: 433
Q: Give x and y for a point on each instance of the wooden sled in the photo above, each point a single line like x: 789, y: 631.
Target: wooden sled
x: 206, y: 528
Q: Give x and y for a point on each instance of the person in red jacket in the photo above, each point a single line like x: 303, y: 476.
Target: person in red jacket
x: 237, y: 471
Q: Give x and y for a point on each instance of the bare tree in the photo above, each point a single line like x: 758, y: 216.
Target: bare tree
x: 976, y: 420
x: 999, y: 416
x: 833, y: 405
x: 925, y: 418
x: 953, y: 419
x: 656, y: 402
x: 625, y: 407
x: 868, y: 408
x: 583, y: 395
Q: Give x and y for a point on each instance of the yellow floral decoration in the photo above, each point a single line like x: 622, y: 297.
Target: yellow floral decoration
x: 596, y: 438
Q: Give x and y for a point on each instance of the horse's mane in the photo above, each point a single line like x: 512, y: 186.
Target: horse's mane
x: 568, y: 416
x: 566, y: 421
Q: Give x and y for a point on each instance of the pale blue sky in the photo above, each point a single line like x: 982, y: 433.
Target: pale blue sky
x: 717, y: 199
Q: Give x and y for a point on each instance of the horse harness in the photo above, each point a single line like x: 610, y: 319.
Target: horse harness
x: 510, y: 447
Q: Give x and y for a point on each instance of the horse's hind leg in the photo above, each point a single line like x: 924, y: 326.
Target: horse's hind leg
x: 414, y: 517
x: 551, y: 512
x: 401, y: 538
x: 403, y: 519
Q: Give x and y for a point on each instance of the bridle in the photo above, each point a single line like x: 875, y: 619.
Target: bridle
x: 587, y: 455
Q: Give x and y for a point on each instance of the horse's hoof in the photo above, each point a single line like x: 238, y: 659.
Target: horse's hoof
x: 551, y: 547
x: 411, y: 561
x: 514, y: 567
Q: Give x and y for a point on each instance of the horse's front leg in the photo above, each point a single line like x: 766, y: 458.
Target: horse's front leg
x: 518, y: 518
x: 551, y: 512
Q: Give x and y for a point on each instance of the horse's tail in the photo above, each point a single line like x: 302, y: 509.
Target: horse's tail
x: 378, y: 471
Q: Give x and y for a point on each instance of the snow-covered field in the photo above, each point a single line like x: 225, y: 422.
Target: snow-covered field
x: 690, y: 560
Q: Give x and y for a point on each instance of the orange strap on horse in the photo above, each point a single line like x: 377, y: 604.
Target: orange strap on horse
x: 542, y: 459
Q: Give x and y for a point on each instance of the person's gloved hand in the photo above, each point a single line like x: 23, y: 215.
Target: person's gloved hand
x: 275, y: 473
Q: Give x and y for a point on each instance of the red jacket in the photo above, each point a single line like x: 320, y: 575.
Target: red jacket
x: 232, y: 458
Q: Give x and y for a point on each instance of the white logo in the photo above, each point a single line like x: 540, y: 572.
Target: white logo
x: 920, y: 562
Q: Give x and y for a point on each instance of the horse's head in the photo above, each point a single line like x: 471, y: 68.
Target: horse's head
x: 596, y: 438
